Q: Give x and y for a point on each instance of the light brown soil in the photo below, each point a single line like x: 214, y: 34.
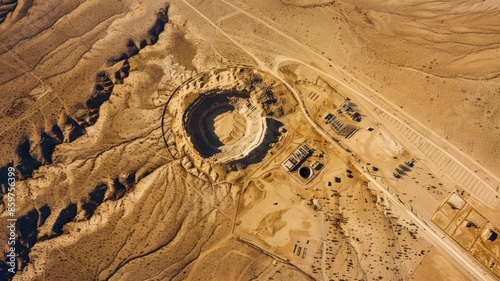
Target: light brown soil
x: 131, y: 204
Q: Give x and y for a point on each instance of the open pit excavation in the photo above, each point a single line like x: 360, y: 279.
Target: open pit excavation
x: 283, y: 140
x: 225, y: 119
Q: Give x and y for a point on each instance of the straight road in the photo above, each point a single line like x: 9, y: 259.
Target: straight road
x: 435, y: 235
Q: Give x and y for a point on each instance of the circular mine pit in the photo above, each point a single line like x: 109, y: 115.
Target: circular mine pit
x: 224, y: 121
x: 228, y: 117
x: 305, y: 172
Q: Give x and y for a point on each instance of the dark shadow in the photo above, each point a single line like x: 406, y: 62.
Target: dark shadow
x: 66, y: 215
x: 27, y: 164
x: 305, y: 172
x: 209, y: 124
x: 401, y: 172
x: 26, y: 228
x: 4, y: 176
x: 404, y: 168
x: 95, y: 198
x: 56, y: 134
x: 102, y: 90
x: 76, y: 130
x: 199, y: 119
x: 44, y: 214
x: 47, y: 146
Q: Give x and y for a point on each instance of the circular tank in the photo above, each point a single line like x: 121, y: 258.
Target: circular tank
x: 305, y: 172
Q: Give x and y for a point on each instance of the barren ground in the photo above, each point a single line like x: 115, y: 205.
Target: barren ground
x: 99, y: 196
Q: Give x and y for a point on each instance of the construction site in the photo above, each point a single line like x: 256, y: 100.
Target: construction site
x: 250, y: 140
x: 226, y: 119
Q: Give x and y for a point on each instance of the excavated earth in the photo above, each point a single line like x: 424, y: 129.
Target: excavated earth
x: 115, y: 183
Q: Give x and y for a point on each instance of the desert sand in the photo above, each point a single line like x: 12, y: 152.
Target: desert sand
x: 152, y: 140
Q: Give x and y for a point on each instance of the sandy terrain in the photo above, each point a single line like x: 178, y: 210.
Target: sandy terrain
x: 436, y: 266
x: 113, y: 177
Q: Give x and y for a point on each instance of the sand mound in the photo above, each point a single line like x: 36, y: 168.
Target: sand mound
x: 229, y: 127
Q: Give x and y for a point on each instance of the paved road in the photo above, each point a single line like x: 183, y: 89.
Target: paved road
x: 435, y: 235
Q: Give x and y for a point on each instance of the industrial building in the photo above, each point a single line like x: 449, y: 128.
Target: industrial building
x: 297, y: 158
x: 339, y: 127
